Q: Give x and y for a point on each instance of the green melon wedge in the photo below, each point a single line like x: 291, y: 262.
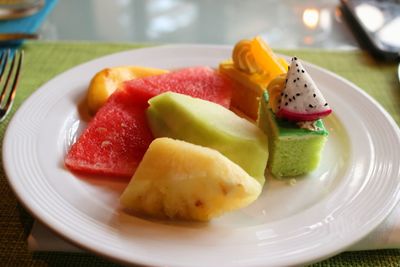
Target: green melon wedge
x: 208, y: 124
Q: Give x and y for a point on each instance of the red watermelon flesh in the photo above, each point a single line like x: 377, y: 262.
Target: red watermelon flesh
x: 200, y: 82
x: 116, y: 139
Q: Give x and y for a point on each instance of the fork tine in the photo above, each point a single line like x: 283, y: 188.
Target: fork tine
x: 3, y: 65
x: 15, y: 80
x: 3, y: 61
x: 6, y: 108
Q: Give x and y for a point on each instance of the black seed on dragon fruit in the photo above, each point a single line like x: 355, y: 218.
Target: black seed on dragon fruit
x: 305, y: 103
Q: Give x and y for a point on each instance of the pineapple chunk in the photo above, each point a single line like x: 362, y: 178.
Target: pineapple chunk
x: 180, y: 180
x: 105, y: 82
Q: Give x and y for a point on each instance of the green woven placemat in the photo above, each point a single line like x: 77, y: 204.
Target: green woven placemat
x: 44, y: 60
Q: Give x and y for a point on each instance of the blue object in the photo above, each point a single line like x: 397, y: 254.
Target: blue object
x: 28, y: 24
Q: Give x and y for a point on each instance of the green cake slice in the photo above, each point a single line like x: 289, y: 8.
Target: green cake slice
x: 293, y: 150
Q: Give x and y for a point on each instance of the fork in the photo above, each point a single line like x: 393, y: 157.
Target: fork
x: 11, y: 73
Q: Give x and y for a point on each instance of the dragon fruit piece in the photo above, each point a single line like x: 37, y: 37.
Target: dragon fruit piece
x: 301, y: 100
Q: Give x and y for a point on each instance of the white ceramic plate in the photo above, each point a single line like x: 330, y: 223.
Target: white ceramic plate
x: 354, y: 188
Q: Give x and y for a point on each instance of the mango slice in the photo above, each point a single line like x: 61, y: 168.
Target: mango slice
x: 106, y: 81
x: 275, y: 88
x: 266, y: 58
x: 253, y: 66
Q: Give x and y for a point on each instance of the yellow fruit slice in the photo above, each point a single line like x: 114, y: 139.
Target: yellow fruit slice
x: 283, y: 63
x: 275, y: 88
x: 264, y: 55
x: 105, y: 82
x: 253, y: 66
x: 180, y: 180
x: 244, y: 59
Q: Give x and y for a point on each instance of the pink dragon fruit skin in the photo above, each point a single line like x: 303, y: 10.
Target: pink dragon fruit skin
x: 291, y: 116
x: 300, y: 99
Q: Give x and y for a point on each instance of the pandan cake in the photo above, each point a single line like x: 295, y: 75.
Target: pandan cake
x: 290, y: 114
x: 252, y: 67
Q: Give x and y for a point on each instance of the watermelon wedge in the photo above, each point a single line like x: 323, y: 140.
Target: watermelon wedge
x: 116, y: 139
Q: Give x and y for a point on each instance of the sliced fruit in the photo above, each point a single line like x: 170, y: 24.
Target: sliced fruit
x: 115, y: 140
x: 105, y: 82
x: 275, y: 88
x: 253, y: 66
x: 201, y: 82
x: 301, y: 99
x: 264, y: 55
x: 244, y: 59
x: 207, y: 124
x: 179, y: 180
x: 118, y: 136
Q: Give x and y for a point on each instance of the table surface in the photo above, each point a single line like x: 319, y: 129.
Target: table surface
x: 286, y: 24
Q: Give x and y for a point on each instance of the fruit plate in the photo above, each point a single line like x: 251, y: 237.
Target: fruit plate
x: 295, y: 221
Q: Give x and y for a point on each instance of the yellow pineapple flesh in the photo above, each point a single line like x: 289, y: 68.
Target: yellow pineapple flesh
x: 180, y: 180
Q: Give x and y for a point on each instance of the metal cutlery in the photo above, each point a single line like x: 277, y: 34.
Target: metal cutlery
x: 10, y: 69
x: 16, y: 36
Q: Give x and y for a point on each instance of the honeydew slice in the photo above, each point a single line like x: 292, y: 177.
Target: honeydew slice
x: 208, y: 124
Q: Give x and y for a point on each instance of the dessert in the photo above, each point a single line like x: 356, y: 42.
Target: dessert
x: 252, y: 67
x: 188, y: 155
x: 179, y: 180
x: 208, y: 124
x: 117, y: 137
x: 290, y: 114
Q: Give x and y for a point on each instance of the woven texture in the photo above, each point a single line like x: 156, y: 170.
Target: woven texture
x: 44, y: 60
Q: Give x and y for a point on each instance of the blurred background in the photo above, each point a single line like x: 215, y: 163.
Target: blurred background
x: 284, y: 24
